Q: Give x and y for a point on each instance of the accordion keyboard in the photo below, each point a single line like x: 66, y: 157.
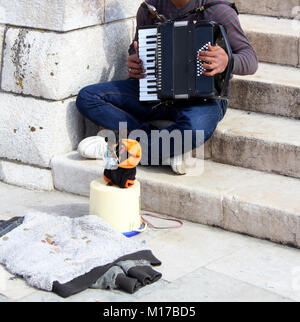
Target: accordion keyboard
x: 148, y: 44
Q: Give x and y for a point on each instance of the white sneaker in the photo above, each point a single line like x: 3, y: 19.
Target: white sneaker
x: 94, y: 147
x: 178, y: 164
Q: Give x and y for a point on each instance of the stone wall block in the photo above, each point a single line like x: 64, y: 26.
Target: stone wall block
x: 55, y: 66
x: 117, y: 10
x: 2, y: 30
x: 33, y: 131
x: 58, y: 15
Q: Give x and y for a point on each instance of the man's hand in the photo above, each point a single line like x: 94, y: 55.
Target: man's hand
x: 134, y: 65
x: 217, y: 59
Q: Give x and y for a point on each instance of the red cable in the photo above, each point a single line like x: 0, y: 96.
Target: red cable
x: 156, y: 227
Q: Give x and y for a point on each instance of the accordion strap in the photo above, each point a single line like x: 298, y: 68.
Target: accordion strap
x: 161, y: 18
x: 153, y: 12
x: 207, y: 6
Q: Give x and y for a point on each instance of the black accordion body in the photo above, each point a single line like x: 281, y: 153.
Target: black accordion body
x: 169, y: 52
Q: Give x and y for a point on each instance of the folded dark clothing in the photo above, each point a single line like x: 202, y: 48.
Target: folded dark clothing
x: 108, y: 280
x: 144, y: 274
x: 127, y: 284
x: 128, y: 276
x: 100, y: 278
x: 7, y: 226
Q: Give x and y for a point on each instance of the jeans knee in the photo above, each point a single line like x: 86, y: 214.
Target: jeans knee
x: 84, y: 101
x: 200, y: 134
x: 198, y: 137
x: 191, y: 138
x: 80, y: 101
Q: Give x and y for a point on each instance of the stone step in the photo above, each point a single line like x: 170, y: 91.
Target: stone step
x: 258, y: 141
x: 275, y: 40
x: 274, y: 89
x: 275, y: 8
x: 236, y: 199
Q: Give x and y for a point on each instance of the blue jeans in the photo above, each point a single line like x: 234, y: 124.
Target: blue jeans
x: 110, y: 103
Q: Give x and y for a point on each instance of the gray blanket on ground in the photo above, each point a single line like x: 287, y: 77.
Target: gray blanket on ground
x: 45, y: 249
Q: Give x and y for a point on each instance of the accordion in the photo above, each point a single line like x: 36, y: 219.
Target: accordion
x: 169, y: 52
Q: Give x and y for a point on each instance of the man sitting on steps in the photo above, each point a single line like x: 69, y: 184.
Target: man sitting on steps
x: 108, y: 104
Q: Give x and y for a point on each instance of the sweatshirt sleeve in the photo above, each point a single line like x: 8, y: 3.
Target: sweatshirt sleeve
x: 142, y: 19
x: 245, y: 59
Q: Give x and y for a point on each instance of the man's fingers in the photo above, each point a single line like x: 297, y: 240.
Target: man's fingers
x: 134, y: 58
x: 208, y: 59
x: 207, y: 54
x: 211, y: 73
x: 134, y: 66
x: 210, y: 66
x: 136, y: 71
x: 136, y: 47
x: 138, y: 76
x: 212, y: 51
x: 213, y: 48
x: 213, y: 60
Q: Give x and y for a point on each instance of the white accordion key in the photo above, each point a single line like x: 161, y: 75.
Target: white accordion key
x: 147, y: 50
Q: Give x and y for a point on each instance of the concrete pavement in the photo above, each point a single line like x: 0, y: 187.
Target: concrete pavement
x: 200, y: 263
